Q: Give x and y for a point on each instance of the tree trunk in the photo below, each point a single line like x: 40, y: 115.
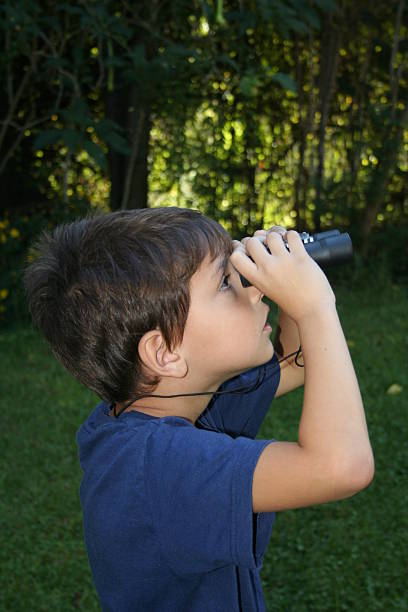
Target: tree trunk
x: 375, y: 194
x: 329, y: 64
x: 302, y: 134
x: 388, y: 153
x: 306, y: 127
x: 129, y: 173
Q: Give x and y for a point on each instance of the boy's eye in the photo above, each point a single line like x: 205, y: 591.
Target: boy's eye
x: 225, y: 283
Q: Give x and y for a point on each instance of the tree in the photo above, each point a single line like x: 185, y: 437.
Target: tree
x: 251, y: 110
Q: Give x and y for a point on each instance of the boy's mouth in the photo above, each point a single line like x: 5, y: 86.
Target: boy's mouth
x: 267, y: 326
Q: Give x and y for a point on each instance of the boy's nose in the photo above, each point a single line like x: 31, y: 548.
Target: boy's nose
x: 254, y: 294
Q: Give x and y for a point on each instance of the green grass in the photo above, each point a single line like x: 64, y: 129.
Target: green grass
x: 353, y: 554
x: 349, y: 555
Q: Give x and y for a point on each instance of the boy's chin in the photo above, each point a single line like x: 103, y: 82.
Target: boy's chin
x: 257, y: 362
x: 269, y: 352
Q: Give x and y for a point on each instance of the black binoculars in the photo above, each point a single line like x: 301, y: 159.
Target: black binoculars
x: 325, y: 248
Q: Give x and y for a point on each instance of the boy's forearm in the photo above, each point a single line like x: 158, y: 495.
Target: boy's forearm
x: 333, y: 421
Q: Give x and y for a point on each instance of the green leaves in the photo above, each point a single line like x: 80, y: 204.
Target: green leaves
x: 248, y: 85
x: 79, y: 124
x: 74, y: 141
x: 112, y: 134
x: 285, y: 80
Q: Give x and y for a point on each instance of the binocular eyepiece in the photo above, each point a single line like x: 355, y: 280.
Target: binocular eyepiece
x: 325, y: 248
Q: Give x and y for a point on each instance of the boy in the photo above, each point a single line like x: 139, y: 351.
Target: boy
x: 146, y: 308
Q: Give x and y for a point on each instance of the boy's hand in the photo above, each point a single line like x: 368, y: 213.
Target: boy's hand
x: 289, y: 278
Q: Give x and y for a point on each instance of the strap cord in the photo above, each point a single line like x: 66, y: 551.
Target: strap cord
x: 243, y: 390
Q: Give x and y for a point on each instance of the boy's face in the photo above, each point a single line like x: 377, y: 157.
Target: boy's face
x: 225, y: 332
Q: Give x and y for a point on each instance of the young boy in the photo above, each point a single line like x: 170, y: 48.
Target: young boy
x: 147, y: 309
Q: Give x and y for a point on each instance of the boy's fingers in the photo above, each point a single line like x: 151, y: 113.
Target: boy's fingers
x: 294, y: 241
x: 241, y: 262
x: 260, y: 237
x: 262, y: 234
x: 255, y: 247
x: 275, y: 243
x: 277, y: 229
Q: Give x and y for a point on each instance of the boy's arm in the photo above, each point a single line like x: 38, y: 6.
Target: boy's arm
x: 332, y: 458
x: 287, y: 341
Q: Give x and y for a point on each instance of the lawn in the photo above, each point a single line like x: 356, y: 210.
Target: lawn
x: 349, y: 555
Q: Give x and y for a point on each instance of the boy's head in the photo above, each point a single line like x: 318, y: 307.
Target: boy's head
x: 99, y: 284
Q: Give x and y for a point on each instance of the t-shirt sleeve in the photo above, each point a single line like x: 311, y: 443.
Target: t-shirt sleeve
x: 199, y: 487
x: 243, y: 415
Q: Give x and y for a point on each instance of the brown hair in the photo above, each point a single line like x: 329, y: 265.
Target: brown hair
x: 99, y: 284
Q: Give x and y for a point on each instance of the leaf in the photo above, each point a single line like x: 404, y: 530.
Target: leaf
x: 46, y: 138
x: 78, y: 113
x: 112, y: 134
x: 178, y: 51
x: 96, y: 152
x: 138, y: 55
x: 248, y: 85
x: 116, y: 142
x: 312, y: 19
x: 327, y: 5
x: 298, y: 26
x: 72, y: 10
x: 394, y: 389
x: 71, y: 139
x: 285, y: 80
x: 225, y: 58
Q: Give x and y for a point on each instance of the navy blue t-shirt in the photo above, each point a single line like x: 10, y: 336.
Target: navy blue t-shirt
x: 167, y: 505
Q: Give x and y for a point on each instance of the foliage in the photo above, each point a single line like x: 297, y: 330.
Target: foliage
x: 17, y: 234
x: 292, y: 112
x: 319, y: 95
x: 319, y: 558
x: 328, y: 148
x: 389, y: 246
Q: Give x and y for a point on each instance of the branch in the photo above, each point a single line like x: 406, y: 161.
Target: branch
x: 132, y: 160
x: 9, y: 75
x: 74, y: 80
x: 394, y: 82
x: 11, y: 150
x: 14, y: 103
x: 26, y: 126
x: 101, y: 76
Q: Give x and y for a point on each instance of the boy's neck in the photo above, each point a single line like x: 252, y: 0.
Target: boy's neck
x: 162, y: 408
x: 189, y: 408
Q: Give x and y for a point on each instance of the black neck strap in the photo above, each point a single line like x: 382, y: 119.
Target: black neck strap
x: 237, y: 391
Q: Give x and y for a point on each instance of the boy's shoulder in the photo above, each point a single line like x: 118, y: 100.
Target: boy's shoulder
x: 228, y: 415
x: 162, y: 455
x: 102, y: 433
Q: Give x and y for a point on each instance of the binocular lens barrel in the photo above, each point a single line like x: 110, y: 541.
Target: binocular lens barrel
x: 331, y: 250
x: 325, y: 248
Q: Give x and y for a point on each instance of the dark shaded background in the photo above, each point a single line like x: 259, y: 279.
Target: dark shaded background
x: 255, y: 112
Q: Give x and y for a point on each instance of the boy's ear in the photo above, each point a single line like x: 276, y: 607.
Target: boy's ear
x: 155, y: 355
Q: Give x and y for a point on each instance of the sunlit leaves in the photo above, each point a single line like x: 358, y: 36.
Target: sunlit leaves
x: 285, y: 80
